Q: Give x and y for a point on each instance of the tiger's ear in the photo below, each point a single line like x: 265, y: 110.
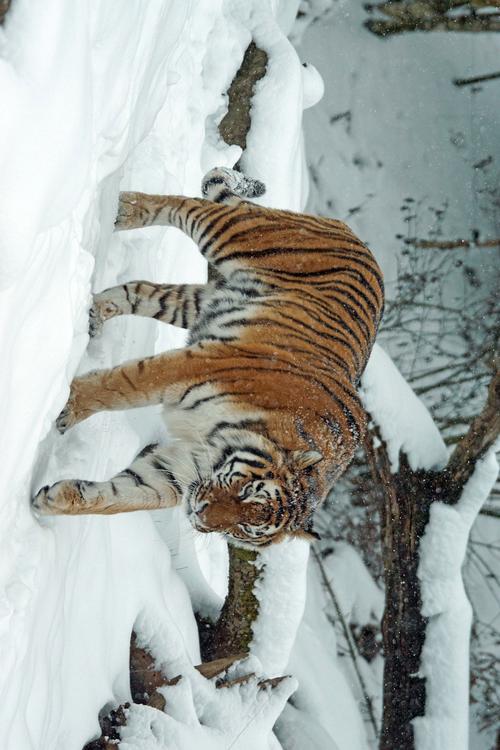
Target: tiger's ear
x: 303, y: 460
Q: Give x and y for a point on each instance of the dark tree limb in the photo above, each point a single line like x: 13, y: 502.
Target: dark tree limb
x: 491, y: 512
x: 232, y: 633
x: 235, y: 125
x: 451, y: 244
x: 476, y: 79
x: 405, y: 507
x: 4, y: 7
x: 480, y: 437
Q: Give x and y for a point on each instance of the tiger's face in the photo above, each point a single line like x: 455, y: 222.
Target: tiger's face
x: 257, y: 505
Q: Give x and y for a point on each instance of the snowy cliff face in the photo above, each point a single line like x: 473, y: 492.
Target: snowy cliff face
x: 97, y: 98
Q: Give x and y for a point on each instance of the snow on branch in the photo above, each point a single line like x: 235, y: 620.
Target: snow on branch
x: 427, y: 619
x: 445, y: 654
x: 404, y: 422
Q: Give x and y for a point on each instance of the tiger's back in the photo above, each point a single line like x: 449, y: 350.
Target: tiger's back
x: 299, y: 305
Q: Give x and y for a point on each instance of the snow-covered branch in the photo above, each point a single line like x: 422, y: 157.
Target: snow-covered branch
x: 422, y: 558
x: 433, y: 15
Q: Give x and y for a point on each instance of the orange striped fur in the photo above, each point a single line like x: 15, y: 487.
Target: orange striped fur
x: 262, y: 402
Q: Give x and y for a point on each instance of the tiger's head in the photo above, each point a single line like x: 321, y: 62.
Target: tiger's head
x: 257, y: 499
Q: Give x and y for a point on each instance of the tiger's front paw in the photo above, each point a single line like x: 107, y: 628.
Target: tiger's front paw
x: 63, y: 498
x: 73, y: 412
x: 133, y: 211
x: 101, y: 310
x: 66, y: 418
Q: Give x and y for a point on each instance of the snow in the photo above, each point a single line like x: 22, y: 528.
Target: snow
x: 100, y: 98
x: 281, y: 592
x: 445, y: 656
x: 241, y: 716
x: 404, y: 422
x: 326, y: 705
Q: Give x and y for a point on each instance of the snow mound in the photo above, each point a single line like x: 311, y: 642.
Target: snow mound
x: 404, y: 422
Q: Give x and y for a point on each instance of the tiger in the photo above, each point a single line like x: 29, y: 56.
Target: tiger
x: 262, y: 404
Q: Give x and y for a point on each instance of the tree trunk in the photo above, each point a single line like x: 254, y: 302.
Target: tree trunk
x: 404, y: 512
x: 232, y: 633
x: 4, y: 7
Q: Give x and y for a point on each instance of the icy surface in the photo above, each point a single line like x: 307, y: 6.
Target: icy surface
x: 404, y: 422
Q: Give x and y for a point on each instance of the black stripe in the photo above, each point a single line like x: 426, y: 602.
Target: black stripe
x: 234, y: 217
x: 341, y: 324
x: 216, y: 212
x: 243, y: 424
x: 133, y: 475
x: 244, y: 323
x: 160, y: 465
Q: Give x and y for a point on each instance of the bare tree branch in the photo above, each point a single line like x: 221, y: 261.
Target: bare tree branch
x: 451, y: 244
x: 404, y: 508
x: 353, y: 652
x: 4, y: 7
x: 487, y: 510
x: 476, y: 79
x: 235, y: 125
x: 481, y: 435
x: 233, y: 631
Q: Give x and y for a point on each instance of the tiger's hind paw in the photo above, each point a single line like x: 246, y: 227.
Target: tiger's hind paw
x: 63, y: 498
x: 133, y: 212
x: 95, y: 321
x: 101, y: 311
x: 70, y: 415
x: 64, y: 421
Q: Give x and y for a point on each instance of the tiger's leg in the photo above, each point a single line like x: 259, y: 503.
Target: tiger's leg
x: 178, y: 305
x: 149, y: 483
x: 140, y: 382
x: 200, y: 219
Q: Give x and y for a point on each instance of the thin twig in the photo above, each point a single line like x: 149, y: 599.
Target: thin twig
x: 349, y: 640
x: 475, y: 79
x: 451, y: 244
